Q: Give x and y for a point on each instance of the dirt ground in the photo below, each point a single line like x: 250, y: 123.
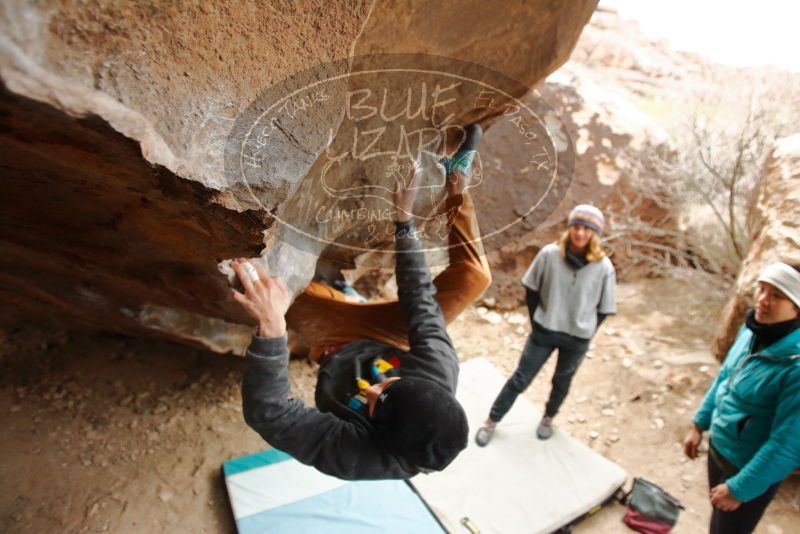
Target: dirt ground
x: 116, y: 435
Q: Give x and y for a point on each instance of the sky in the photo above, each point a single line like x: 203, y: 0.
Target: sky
x: 735, y: 32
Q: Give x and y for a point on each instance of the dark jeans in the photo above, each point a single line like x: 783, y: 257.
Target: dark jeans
x: 540, y: 345
x: 744, y: 519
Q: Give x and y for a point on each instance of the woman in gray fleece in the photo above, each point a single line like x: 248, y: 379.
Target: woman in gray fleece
x: 570, y: 288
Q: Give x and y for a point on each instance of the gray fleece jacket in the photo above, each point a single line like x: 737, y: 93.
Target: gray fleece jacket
x: 333, y: 438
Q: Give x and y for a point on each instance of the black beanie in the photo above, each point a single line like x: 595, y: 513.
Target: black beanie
x: 421, y: 422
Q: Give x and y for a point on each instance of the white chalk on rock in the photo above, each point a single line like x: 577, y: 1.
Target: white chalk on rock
x: 251, y: 272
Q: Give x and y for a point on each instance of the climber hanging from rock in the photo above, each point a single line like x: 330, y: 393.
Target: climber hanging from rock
x: 385, y: 393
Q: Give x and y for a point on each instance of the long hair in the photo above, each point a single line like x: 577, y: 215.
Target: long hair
x: 594, y: 252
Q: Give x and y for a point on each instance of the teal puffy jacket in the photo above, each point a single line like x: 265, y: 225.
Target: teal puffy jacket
x: 753, y: 412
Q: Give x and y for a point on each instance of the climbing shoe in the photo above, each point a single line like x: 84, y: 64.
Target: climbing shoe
x: 462, y: 160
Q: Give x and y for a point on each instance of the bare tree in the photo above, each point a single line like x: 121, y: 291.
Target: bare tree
x: 706, y: 183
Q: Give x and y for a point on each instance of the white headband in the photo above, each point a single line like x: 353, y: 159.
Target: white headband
x: 785, y: 278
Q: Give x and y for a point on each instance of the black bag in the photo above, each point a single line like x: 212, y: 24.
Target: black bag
x: 651, y: 510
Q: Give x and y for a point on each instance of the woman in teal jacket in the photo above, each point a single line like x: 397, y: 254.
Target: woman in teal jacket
x: 752, y: 409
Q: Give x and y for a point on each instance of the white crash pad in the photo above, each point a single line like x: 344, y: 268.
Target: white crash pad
x: 270, y: 492
x: 517, y: 483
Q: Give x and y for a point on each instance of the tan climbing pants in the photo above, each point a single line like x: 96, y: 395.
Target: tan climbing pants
x: 326, y: 319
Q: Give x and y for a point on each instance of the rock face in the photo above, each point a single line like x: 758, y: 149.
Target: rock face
x: 774, y: 233
x: 91, y: 232
x: 115, y: 207
x: 118, y: 205
x: 611, y: 137
x: 615, y: 43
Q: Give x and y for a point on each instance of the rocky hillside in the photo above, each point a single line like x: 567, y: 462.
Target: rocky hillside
x: 631, y: 106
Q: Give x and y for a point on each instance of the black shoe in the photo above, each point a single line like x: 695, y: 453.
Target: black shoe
x: 545, y: 428
x: 484, y: 435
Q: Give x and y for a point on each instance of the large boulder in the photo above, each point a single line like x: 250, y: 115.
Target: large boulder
x: 116, y: 211
x: 119, y: 205
x: 774, y: 233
